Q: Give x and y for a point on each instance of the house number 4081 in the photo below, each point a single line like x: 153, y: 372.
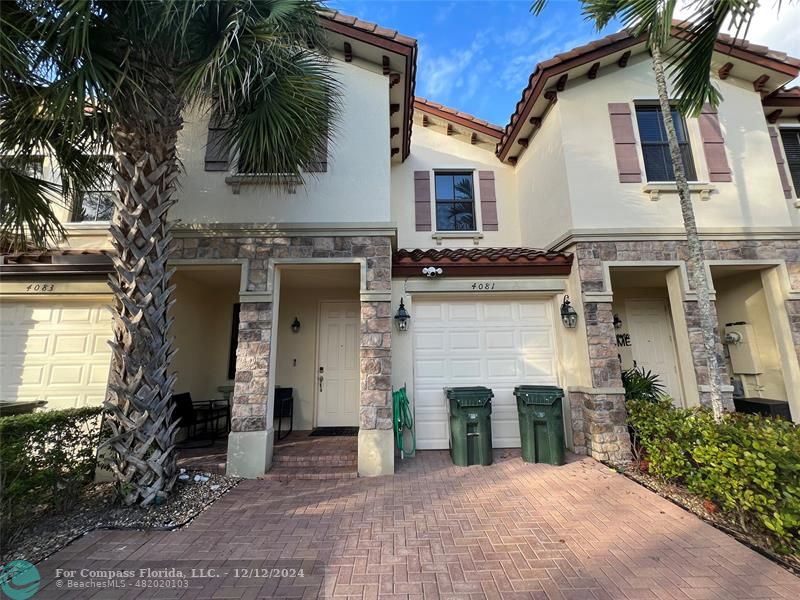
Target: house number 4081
x: 483, y: 287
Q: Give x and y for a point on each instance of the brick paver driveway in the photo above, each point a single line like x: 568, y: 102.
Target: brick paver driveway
x: 433, y: 530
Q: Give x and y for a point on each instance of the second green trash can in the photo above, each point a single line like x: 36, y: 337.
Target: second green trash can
x: 541, y: 423
x: 470, y: 425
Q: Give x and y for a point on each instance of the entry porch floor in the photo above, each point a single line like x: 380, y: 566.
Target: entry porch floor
x: 433, y: 530
x: 297, y: 449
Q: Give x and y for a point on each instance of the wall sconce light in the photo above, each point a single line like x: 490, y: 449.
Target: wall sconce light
x: 402, y: 317
x: 568, y: 315
x: 296, y: 325
x: 617, y: 321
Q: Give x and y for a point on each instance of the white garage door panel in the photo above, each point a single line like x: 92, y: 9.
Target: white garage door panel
x: 55, y: 351
x: 496, y: 343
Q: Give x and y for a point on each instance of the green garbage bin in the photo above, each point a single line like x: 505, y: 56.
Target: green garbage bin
x: 541, y: 423
x: 470, y: 425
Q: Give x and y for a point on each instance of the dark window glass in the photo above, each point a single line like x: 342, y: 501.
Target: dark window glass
x: 234, y: 342
x: 791, y: 146
x: 655, y: 148
x: 455, y: 202
x: 97, y: 204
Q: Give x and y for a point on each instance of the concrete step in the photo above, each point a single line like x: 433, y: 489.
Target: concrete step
x: 315, y: 460
x: 281, y: 473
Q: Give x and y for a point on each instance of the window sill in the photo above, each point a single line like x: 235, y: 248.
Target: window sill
x: 475, y: 236
x: 86, y: 227
x: 238, y: 180
x: 656, y: 188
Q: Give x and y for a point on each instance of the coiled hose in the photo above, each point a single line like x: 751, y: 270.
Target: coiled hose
x: 403, y: 421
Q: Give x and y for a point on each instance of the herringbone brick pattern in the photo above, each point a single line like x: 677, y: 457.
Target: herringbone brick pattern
x: 512, y: 530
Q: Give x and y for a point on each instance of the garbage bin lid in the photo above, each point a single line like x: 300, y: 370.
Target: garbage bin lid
x: 538, y: 394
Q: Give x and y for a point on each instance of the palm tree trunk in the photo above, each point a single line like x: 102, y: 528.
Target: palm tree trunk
x: 139, y: 402
x: 708, y: 323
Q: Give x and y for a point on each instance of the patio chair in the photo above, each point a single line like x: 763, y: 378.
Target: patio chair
x: 284, y: 409
x: 206, y: 413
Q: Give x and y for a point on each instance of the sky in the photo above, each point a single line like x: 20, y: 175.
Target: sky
x: 476, y: 55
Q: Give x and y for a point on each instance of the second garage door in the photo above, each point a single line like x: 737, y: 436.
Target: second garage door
x: 496, y: 343
x: 55, y: 351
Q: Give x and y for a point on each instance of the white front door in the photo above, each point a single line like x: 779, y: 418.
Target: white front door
x: 652, y: 343
x: 499, y: 344
x: 338, y: 368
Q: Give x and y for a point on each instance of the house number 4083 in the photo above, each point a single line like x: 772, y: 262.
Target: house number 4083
x: 483, y: 287
x: 40, y: 287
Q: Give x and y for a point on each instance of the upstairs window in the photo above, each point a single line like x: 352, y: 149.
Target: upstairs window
x: 97, y: 204
x: 655, y: 148
x: 791, y: 146
x: 455, y: 202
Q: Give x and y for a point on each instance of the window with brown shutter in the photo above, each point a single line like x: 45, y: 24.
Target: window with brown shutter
x: 422, y: 200
x: 624, y: 142
x: 775, y: 138
x: 655, y: 147
x: 714, y: 145
x: 217, y: 153
x: 320, y: 163
x: 455, y: 201
x: 791, y: 147
x: 488, y: 200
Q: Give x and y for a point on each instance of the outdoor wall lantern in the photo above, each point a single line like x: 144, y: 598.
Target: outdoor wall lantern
x: 617, y: 321
x: 296, y: 325
x: 402, y: 317
x: 568, y: 315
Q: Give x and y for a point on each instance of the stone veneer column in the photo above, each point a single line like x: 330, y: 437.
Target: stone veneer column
x: 598, y: 413
x: 376, y: 435
x: 699, y: 357
x: 605, y: 429
x: 251, y: 437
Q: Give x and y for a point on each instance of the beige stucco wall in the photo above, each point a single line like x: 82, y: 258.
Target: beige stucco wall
x: 203, y: 319
x: 354, y: 189
x: 432, y: 149
x: 598, y: 200
x: 741, y: 298
x: 542, y: 185
x: 296, y: 359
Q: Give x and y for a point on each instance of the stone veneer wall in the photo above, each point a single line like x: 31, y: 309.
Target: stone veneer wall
x: 598, y: 418
x: 249, y: 403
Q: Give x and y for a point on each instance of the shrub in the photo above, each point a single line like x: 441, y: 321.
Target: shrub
x: 747, y: 465
x: 642, y: 385
x: 46, y: 459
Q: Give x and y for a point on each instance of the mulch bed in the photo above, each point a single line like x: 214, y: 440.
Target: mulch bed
x: 194, y: 492
x: 759, y: 541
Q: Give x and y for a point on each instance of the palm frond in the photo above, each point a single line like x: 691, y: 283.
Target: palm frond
x: 691, y: 56
x: 27, y: 218
x: 264, y: 66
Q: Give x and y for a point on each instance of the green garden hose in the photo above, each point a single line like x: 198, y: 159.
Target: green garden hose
x: 402, y: 421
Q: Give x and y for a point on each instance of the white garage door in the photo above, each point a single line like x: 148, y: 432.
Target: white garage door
x: 55, y: 351
x: 496, y: 343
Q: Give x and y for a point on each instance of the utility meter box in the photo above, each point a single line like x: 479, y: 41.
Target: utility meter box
x: 743, y: 349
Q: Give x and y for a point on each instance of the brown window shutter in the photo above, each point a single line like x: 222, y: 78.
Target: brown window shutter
x: 488, y: 200
x: 320, y: 163
x: 776, y: 149
x: 714, y: 145
x: 217, y: 154
x: 624, y: 142
x: 422, y: 200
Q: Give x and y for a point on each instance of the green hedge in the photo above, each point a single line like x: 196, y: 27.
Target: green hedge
x: 747, y: 465
x: 46, y: 459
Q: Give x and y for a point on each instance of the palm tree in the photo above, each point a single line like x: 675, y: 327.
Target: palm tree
x: 653, y: 19
x: 139, y: 65
x: 33, y: 139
